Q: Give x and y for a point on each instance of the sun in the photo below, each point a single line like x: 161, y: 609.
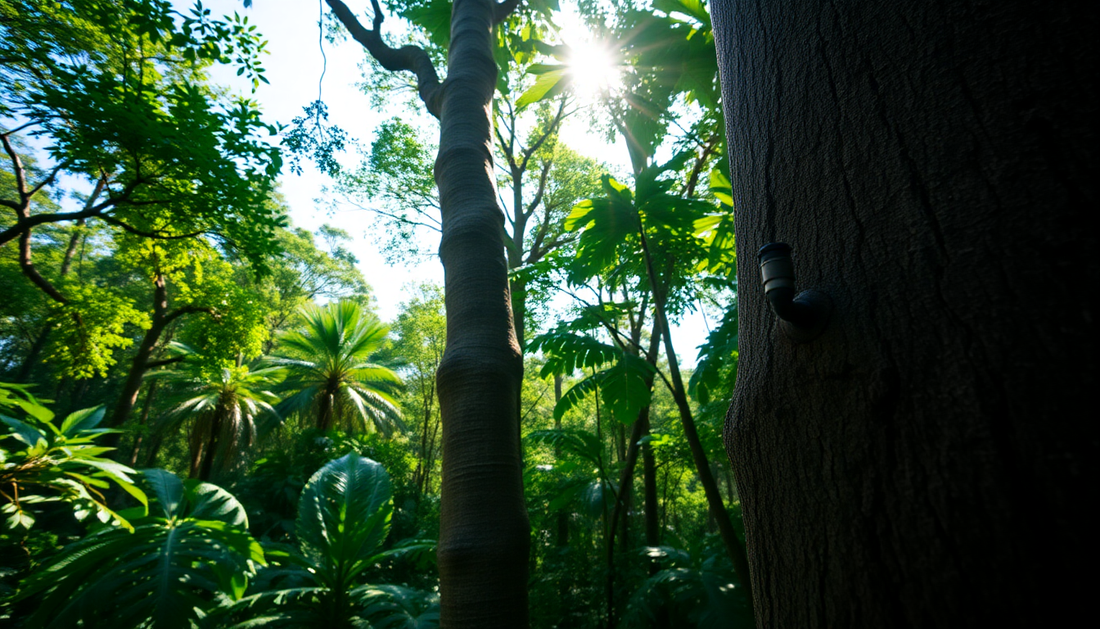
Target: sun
x: 593, y: 69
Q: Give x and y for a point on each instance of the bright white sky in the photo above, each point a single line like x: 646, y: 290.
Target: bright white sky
x: 293, y: 66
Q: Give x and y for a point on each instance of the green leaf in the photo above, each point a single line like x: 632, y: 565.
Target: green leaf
x: 24, y: 432
x: 344, y: 516
x: 166, y: 574
x: 543, y: 68
x: 84, y: 419
x: 566, y: 352
x: 35, y: 410
x: 627, y: 387
x: 692, y: 8
x: 168, y: 490
x: 548, y: 85
x: 207, y: 501
x: 721, y: 187
x: 575, y: 395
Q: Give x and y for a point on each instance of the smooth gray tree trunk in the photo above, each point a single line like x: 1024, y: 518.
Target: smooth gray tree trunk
x: 930, y: 459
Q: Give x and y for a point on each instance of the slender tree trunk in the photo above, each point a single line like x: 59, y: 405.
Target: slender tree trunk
x: 649, y: 482
x: 153, y: 450
x: 563, y: 517
x: 35, y: 351
x: 484, y: 531
x: 132, y: 385
x: 626, y: 478
x: 210, y: 451
x: 926, y: 462
x: 734, y: 549
x: 652, y: 524
x: 144, y: 422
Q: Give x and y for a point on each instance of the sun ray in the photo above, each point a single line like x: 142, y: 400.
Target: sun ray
x: 593, y: 70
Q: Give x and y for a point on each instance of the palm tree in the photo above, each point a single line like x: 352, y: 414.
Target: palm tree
x: 224, y: 404
x: 329, y: 373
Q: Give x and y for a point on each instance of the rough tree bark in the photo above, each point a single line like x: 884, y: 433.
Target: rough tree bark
x: 484, y: 531
x: 925, y: 462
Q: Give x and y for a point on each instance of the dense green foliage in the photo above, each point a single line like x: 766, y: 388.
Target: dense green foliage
x: 182, y: 327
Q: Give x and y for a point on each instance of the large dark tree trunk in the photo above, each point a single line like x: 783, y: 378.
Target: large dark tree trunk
x: 484, y: 532
x: 926, y: 462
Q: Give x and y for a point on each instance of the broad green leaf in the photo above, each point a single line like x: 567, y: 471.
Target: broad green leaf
x: 575, y: 394
x: 168, y: 490
x: 35, y: 410
x: 626, y: 387
x: 721, y: 187
x: 210, y: 502
x: 24, y: 432
x: 344, y: 515
x: 165, y: 574
x: 548, y: 85
x: 84, y: 419
x: 566, y: 352
x: 692, y: 8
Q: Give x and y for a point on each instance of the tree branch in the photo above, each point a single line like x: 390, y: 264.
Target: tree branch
x: 24, y: 226
x: 550, y: 130
x: 153, y: 364
x: 541, y: 190
x: 45, y: 182
x: 29, y: 222
x: 185, y: 310
x: 28, y: 269
x: 107, y: 218
x: 408, y: 58
x: 17, y: 168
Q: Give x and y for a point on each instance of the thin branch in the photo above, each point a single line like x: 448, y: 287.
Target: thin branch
x: 28, y: 269
x: 179, y: 312
x: 437, y: 226
x: 25, y: 125
x: 408, y: 58
x: 45, y: 182
x: 158, y: 235
x: 507, y: 153
x: 551, y: 129
x: 541, y: 190
x: 153, y: 364
x: 17, y: 168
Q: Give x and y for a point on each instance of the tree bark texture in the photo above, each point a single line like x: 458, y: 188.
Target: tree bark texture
x: 484, y: 531
x: 926, y: 462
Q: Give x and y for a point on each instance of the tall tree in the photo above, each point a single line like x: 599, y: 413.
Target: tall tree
x: 923, y: 462
x: 484, y: 536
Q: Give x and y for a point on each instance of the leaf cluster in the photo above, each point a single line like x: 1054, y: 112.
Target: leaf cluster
x: 43, y: 462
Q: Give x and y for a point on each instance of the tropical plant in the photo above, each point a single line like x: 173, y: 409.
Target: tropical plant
x: 190, y: 552
x: 343, y: 520
x: 329, y: 373
x: 223, y: 404
x: 41, y: 462
x: 688, y: 593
